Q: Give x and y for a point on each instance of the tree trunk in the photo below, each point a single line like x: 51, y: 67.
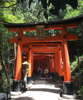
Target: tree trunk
x: 15, y: 50
x: 4, y: 65
x: 1, y: 76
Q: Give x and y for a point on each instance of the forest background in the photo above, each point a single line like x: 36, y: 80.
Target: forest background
x: 18, y: 11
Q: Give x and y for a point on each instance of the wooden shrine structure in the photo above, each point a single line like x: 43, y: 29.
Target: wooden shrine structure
x: 53, y: 49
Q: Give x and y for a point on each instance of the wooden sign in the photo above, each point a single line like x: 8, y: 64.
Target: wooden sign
x: 40, y: 32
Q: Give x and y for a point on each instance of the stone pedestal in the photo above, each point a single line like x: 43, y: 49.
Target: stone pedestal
x: 68, y: 88
x: 29, y: 80
x: 61, y: 79
x: 16, y: 85
x: 57, y: 76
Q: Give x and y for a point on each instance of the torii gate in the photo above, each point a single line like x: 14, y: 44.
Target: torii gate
x: 43, y: 47
x: 43, y: 57
x: 52, y: 48
x: 62, y: 25
x: 74, y: 37
x: 48, y: 61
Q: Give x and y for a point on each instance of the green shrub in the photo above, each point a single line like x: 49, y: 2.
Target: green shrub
x: 75, y: 72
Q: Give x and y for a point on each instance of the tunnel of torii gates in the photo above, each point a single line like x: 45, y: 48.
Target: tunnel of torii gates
x: 53, y: 49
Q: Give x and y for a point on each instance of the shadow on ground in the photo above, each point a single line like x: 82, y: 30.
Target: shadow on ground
x: 47, y: 82
x: 24, y: 98
x: 46, y: 90
x: 44, y: 81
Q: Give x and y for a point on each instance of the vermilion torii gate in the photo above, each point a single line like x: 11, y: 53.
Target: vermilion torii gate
x: 50, y: 61
x: 45, y: 48
x: 44, y: 60
x: 42, y: 47
x: 63, y: 38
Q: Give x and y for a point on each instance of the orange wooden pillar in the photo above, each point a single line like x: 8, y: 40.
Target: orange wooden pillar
x: 41, y: 63
x: 57, y: 60
x: 67, y: 84
x: 48, y: 64
x: 56, y: 66
x: 57, y: 63
x: 62, y: 58
x: 29, y: 75
x: 61, y: 77
x: 37, y: 63
x: 44, y: 64
x: 52, y: 67
x: 32, y: 63
x: 17, y: 79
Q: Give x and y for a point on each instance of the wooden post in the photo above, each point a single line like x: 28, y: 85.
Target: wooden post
x: 67, y: 86
x: 16, y: 82
x: 55, y: 63
x: 56, y: 66
x: 61, y: 77
x: 60, y: 63
x: 66, y: 63
x: 51, y: 66
x: 47, y: 64
x: 32, y: 64
x: 29, y: 66
x: 44, y: 64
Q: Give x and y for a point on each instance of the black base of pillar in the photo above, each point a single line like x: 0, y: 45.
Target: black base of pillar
x: 29, y: 80
x: 68, y: 88
x: 57, y: 76
x: 16, y: 85
x: 61, y: 79
x: 51, y: 74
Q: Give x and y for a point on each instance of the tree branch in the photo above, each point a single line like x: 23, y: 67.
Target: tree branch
x: 8, y: 6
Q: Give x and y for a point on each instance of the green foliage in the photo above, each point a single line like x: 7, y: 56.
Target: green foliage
x: 74, y: 64
x: 3, y: 83
x: 74, y: 69
x: 74, y: 12
x: 56, y: 5
x: 81, y: 92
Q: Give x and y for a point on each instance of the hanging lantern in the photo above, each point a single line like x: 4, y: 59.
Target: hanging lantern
x: 40, y: 32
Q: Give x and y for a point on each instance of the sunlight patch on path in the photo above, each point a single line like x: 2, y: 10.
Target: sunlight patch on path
x: 42, y: 92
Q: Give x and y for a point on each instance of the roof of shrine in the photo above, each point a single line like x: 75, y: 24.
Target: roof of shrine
x: 57, y: 22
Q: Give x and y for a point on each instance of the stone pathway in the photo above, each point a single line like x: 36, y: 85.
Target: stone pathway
x: 42, y: 89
